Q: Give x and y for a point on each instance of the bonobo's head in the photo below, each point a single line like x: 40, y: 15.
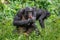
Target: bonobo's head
x: 29, y: 11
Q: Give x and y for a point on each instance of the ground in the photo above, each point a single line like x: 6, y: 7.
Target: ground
x: 51, y: 31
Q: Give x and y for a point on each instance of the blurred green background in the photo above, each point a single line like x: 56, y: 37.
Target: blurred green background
x: 9, y: 8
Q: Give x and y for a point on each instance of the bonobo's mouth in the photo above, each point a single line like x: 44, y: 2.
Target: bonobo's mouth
x: 30, y: 16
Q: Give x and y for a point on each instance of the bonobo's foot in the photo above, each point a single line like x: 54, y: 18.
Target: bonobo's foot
x: 26, y: 34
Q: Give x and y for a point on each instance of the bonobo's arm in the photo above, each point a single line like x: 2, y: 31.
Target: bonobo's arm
x: 32, y: 19
x: 44, y: 14
x: 34, y: 14
x: 17, y: 20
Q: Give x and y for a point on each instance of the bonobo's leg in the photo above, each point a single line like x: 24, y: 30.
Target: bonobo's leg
x: 31, y: 28
x: 41, y: 20
x: 20, y: 30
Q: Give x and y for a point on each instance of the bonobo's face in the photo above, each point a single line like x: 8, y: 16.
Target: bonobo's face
x: 30, y: 14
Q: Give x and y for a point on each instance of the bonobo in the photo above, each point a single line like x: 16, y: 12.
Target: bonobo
x: 25, y: 19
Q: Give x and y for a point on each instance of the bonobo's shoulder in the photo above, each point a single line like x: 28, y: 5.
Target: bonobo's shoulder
x: 19, y: 12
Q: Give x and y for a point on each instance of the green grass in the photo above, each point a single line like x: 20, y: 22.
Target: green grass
x: 52, y: 24
x: 51, y: 31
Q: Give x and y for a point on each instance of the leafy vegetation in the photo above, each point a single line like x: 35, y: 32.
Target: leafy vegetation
x: 8, y: 9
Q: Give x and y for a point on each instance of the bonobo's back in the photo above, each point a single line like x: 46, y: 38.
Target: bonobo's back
x: 40, y: 12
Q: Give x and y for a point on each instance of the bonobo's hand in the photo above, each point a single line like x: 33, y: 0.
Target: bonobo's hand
x: 31, y: 20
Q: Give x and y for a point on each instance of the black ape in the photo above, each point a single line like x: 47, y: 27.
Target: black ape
x: 26, y: 18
